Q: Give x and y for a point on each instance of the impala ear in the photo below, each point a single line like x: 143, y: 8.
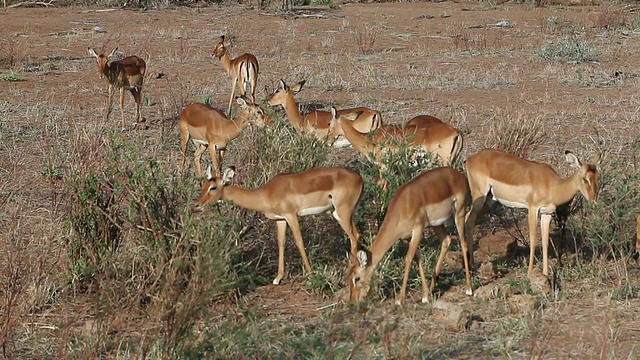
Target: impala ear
x: 112, y: 53
x: 334, y: 113
x: 297, y: 86
x: 227, y: 176
x: 209, y: 175
x: 572, y: 159
x: 362, y: 258
x: 93, y: 53
x: 597, y: 159
x: 282, y: 85
x: 242, y: 100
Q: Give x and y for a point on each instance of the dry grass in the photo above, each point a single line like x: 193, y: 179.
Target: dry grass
x: 488, y: 82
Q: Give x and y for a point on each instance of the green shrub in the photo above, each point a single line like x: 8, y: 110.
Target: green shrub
x: 568, y: 49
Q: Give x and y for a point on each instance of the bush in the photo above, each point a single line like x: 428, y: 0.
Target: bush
x: 608, y: 228
x: 135, y: 241
x: 568, y: 49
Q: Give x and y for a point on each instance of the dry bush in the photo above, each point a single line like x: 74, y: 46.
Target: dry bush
x: 11, y: 53
x: 517, y: 133
x: 610, y: 18
x: 365, y: 37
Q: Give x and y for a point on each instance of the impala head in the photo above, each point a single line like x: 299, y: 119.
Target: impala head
x: 280, y: 95
x: 253, y: 112
x: 213, y: 187
x: 335, y: 129
x: 220, y: 49
x: 359, y: 274
x: 589, y: 175
x: 102, y: 60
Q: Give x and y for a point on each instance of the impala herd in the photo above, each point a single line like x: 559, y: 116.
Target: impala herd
x: 429, y: 200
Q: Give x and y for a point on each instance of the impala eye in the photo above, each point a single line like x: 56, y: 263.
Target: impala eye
x: 212, y: 188
x: 356, y: 279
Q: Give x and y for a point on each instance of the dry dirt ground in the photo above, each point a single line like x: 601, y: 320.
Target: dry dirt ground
x: 453, y: 60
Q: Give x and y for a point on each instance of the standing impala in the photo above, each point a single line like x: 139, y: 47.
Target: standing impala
x: 430, y: 199
x: 125, y: 74
x: 209, y: 127
x: 288, y: 196
x: 519, y: 183
x: 317, y: 122
x: 243, y: 71
x: 426, y: 133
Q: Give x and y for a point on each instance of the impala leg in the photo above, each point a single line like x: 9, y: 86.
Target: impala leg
x: 234, y: 83
x: 545, y: 222
x: 344, y: 215
x: 533, y: 238
x: 282, y: 233
x: 292, y: 220
x: 445, y: 241
x: 425, y: 290
x: 109, y: 102
x: 478, y: 205
x: 416, y: 236
x: 215, y: 152
x: 137, y: 97
x: 465, y: 243
x: 197, y: 156
x: 184, y: 140
x: 124, y: 124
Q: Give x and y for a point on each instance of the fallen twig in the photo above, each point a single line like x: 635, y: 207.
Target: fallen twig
x: 32, y: 4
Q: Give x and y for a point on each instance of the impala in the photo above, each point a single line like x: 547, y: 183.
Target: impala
x: 317, y: 122
x: 519, y: 183
x: 209, y: 127
x: 125, y: 74
x: 243, y: 71
x: 638, y: 236
x: 430, y: 200
x: 425, y: 133
x: 288, y: 196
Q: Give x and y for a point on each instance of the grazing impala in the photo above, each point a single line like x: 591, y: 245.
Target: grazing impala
x: 209, y: 127
x: 638, y: 237
x: 426, y: 133
x: 125, y: 74
x: 243, y: 71
x: 430, y: 199
x: 288, y: 196
x: 519, y: 183
x: 317, y: 122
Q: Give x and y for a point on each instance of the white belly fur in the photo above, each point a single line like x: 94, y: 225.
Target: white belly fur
x: 315, y: 210
x: 199, y: 142
x: 439, y: 222
x: 511, y: 204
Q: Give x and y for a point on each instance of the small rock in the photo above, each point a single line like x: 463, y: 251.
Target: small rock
x: 539, y: 282
x: 487, y: 270
x: 454, y: 260
x: 454, y: 317
x: 522, y: 304
x: 491, y: 291
x: 499, y: 245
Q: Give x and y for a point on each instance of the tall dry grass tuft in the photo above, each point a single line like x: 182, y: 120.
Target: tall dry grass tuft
x: 365, y: 37
x: 517, y: 133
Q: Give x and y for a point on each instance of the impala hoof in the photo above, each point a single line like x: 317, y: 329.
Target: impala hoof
x: 276, y: 281
x: 425, y: 300
x: 399, y: 302
x: 469, y: 292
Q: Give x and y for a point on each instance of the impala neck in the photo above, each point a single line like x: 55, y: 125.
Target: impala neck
x: 357, y: 140
x: 293, y: 112
x: 248, y: 199
x: 111, y: 73
x: 566, y: 189
x: 383, y: 242
x: 226, y: 62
